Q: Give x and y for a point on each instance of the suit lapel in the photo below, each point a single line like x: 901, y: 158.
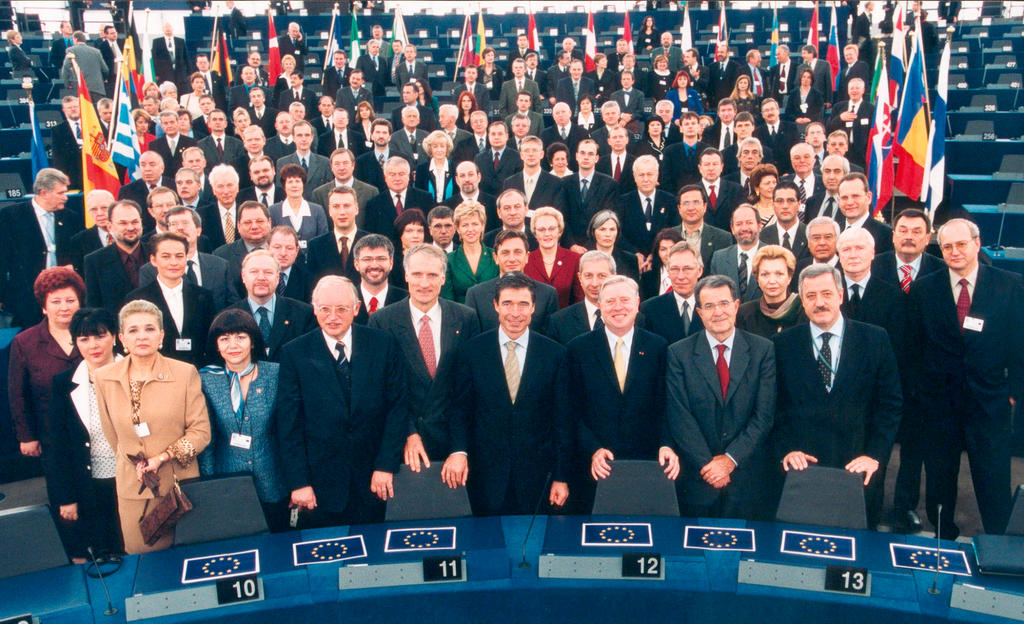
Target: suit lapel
x: 705, y: 363
x: 738, y: 362
x: 604, y: 356
x: 448, y: 335
x: 408, y: 333
x: 281, y: 322
x: 851, y: 344
x: 324, y: 367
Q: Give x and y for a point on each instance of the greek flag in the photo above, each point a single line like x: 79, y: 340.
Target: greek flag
x: 126, y: 150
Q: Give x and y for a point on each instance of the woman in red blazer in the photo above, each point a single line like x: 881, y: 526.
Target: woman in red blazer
x: 551, y: 264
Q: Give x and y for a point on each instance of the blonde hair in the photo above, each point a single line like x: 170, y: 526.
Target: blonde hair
x: 774, y: 252
x: 139, y: 306
x: 469, y: 209
x: 547, y: 211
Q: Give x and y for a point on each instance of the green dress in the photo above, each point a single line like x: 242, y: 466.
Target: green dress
x: 460, y: 277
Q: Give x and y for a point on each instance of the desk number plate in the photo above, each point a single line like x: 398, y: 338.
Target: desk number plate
x: 21, y: 619
x: 642, y: 565
x: 845, y: 579
x: 441, y: 569
x: 239, y: 589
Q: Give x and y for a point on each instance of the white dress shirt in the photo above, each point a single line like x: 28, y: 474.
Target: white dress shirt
x: 591, y: 313
x: 332, y: 344
x: 835, y: 342
x: 627, y: 344
x: 48, y: 226
x: 175, y: 302
x: 691, y: 308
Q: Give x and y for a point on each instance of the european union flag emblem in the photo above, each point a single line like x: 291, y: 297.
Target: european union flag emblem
x: 433, y: 538
x: 617, y: 534
x: 718, y: 538
x: 198, y: 569
x: 921, y: 558
x: 819, y: 545
x: 328, y: 550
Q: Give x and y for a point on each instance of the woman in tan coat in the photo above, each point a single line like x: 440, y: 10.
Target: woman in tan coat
x: 151, y: 406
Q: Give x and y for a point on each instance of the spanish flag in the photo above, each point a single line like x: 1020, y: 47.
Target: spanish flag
x: 98, y: 171
x: 911, y: 144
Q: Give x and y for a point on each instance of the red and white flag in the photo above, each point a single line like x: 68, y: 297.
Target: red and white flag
x: 590, y: 47
x: 274, y: 64
x: 531, y: 34
x: 627, y: 32
x: 813, y: 31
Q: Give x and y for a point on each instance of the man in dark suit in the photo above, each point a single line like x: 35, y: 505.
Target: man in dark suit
x: 296, y: 92
x: 563, y: 131
x: 540, y: 187
x: 499, y: 162
x: 810, y: 189
x: 375, y: 68
x: 215, y: 86
x: 261, y: 115
x: 61, y: 44
x: 113, y: 271
x: 701, y: 235
x: 187, y: 308
x: 585, y: 316
x: 854, y: 116
x: 680, y: 165
x: 294, y: 281
x: 511, y: 211
x: 511, y: 248
x: 821, y: 70
x: 34, y: 235
x: 585, y: 199
x: 170, y: 58
x: 219, y: 147
x: 855, y: 203
x: 21, y: 64
x: 509, y: 413
x: 369, y: 167
x: 855, y: 68
x: 172, y: 143
x: 410, y: 68
x: 342, y: 412
x: 617, y: 386
x: 617, y: 162
x: 397, y: 196
x: 908, y: 261
x: 574, y: 87
x: 511, y: 88
x: 66, y: 140
x: 292, y: 42
x: 337, y: 75
x: 673, y: 315
x: 721, y: 405
x: 777, y: 134
x: 968, y: 374
x: 647, y: 210
x: 429, y: 331
x: 331, y: 253
x: 253, y: 229
x: 839, y: 400
x: 722, y: 195
x: 555, y: 73
x: 722, y: 75
x: 348, y: 96
x: 238, y: 96
x: 341, y: 135
x: 467, y: 178
x: 280, y: 319
x: 97, y: 203
x: 630, y: 100
x: 475, y: 88
x: 787, y: 230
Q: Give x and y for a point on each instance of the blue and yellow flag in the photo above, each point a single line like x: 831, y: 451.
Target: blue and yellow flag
x: 617, y: 534
x: 328, y: 550
x: 214, y: 567
x: 718, y: 538
x: 921, y: 558
x: 430, y: 538
x: 819, y: 545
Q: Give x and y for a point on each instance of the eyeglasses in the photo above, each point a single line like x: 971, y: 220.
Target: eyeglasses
x: 326, y: 310
x: 711, y: 307
x: 961, y: 245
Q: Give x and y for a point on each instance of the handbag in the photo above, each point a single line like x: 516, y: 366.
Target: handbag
x: 160, y: 520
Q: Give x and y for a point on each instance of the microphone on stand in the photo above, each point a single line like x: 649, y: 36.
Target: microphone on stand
x: 524, y: 564
x: 934, y: 590
x: 111, y: 610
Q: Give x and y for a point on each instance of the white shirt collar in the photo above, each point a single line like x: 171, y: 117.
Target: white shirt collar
x: 303, y: 210
x: 381, y: 296
x: 522, y: 341
x: 434, y: 314
x: 680, y: 300
x: 862, y: 283
x: 627, y: 341
x: 332, y: 343
x: 590, y: 308
x: 713, y: 343
x: 859, y: 222
x: 972, y: 279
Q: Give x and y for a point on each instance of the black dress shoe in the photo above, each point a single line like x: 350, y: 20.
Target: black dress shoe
x: 907, y: 521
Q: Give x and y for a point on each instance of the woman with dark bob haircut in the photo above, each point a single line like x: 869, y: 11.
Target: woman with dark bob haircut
x: 411, y: 229
x: 80, y: 463
x: 40, y: 352
x: 309, y: 220
x: 240, y: 394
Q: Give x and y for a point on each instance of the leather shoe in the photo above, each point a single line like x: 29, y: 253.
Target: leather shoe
x: 907, y: 521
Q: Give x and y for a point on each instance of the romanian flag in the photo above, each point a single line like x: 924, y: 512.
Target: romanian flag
x: 273, y: 52
x: 98, y: 171
x: 481, y: 39
x: 911, y: 144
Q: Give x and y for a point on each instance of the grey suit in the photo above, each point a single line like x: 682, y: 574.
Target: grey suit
x: 317, y: 173
x: 507, y: 99
x: 401, y: 146
x: 726, y: 262
x: 364, y: 193
x: 90, y: 63
x: 214, y: 273
x: 481, y: 299
x: 310, y: 227
x: 711, y: 240
x: 703, y: 424
x: 536, y: 124
x: 822, y: 77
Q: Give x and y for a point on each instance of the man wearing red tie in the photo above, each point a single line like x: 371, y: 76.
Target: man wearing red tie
x: 373, y: 256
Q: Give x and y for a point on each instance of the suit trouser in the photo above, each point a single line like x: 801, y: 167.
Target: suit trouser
x: 964, y: 425
x: 913, y: 439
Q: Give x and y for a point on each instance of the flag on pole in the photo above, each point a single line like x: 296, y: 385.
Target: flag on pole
x: 898, y: 58
x: 813, y: 30
x: 467, y: 53
x: 723, y: 35
x: 39, y: 159
x: 222, y: 61
x: 936, y: 166
x: 273, y: 52
x: 98, y: 171
x: 590, y: 46
x: 125, y: 147
x: 334, y: 42
x: 686, y: 36
x: 911, y: 143
x: 481, y: 39
x: 353, y: 42
x: 627, y: 32
x: 773, y: 59
x: 531, y: 33
x: 148, y: 74
x: 879, y: 156
x: 832, y: 52
x: 398, y: 32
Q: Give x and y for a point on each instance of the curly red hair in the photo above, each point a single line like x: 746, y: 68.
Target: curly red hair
x: 54, y: 279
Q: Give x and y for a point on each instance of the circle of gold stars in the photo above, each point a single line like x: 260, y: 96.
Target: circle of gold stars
x: 625, y: 534
x: 432, y: 539
x: 942, y: 559
x: 712, y: 539
x: 341, y: 551
x: 818, y: 545
x: 233, y: 564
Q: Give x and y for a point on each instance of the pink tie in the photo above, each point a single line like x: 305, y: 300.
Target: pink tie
x: 426, y: 338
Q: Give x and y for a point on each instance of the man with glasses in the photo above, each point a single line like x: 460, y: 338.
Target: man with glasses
x: 373, y: 257
x: 673, y: 315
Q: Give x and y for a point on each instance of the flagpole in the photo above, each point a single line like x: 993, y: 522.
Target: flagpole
x: 116, y: 105
x: 462, y: 52
x: 330, y: 40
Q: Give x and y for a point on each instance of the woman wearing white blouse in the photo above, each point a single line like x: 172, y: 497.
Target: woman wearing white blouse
x: 307, y: 219
x: 436, y: 175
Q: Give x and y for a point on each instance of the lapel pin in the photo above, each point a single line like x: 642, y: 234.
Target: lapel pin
x: 287, y: 322
x: 640, y: 352
x: 160, y: 376
x: 259, y: 390
x: 559, y: 263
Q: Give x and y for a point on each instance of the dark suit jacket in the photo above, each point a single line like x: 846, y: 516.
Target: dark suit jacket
x: 860, y: 128
x: 721, y: 80
x: 166, y: 68
x: 343, y: 98
x: 488, y: 202
x: 20, y: 62
x: 480, y: 93
x: 780, y: 144
x: 278, y: 149
x: 823, y: 82
x: 704, y: 425
x: 83, y: 244
x: 368, y: 169
x: 491, y: 179
x: 269, y: 115
x: 660, y: 315
x: 983, y: 367
x: 216, y: 276
x: 570, y: 322
x: 860, y: 416
x: 711, y: 240
x: 137, y: 191
x: 395, y: 294
x: 234, y: 153
x: 626, y: 182
x: 306, y: 97
x: 547, y: 192
x: 774, y: 79
x: 380, y: 211
x: 729, y: 195
x: 636, y: 102
x: 106, y: 281
x: 770, y: 235
x: 881, y: 232
x: 332, y: 438
x: 296, y: 48
x: 883, y: 304
x: 334, y: 79
x: 429, y: 398
x: 172, y: 162
x: 328, y: 142
x: 815, y: 104
x: 298, y: 284
x: 564, y: 91
x: 291, y: 319
x: 678, y: 169
x: 725, y: 262
x: 322, y: 258
x: 403, y: 75
x: 68, y: 477
x: 631, y: 422
x: 428, y: 120
x: 376, y: 78
x: 481, y: 299
x: 885, y: 266
x: 552, y: 134
x: 860, y: 70
x: 508, y: 96
x: 67, y: 153
x: 199, y: 313
x: 602, y: 194
x: 58, y: 49
x: 511, y: 444
x: 23, y: 256
x: 636, y: 228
